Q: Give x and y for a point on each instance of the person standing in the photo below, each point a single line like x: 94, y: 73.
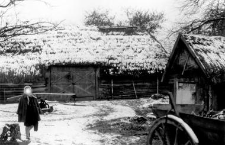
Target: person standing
x: 28, y: 111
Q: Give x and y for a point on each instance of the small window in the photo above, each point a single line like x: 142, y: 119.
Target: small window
x: 186, y: 93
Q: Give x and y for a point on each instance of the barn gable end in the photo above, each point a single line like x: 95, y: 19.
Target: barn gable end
x: 195, y: 70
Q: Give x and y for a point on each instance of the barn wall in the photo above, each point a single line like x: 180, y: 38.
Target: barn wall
x: 105, y: 86
x: 122, y: 88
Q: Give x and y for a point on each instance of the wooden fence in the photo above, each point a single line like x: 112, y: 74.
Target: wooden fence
x: 132, y: 89
x: 112, y: 89
x: 8, y: 89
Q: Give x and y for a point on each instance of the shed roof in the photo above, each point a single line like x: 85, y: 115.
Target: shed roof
x: 75, y: 45
x: 208, y: 51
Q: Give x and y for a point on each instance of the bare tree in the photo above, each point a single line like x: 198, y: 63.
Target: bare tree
x: 211, y: 17
x: 148, y: 22
x: 9, y: 30
x: 99, y: 18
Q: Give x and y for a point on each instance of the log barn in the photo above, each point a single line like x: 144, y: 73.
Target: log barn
x: 196, y: 71
x: 82, y: 60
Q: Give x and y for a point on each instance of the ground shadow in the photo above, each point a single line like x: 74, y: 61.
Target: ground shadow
x: 15, y: 142
x: 72, y: 104
x: 124, y: 129
x: 7, y: 111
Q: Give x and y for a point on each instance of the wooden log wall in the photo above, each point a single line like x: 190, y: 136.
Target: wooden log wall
x: 129, y: 89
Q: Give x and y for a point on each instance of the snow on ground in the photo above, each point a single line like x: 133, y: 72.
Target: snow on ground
x: 67, y: 124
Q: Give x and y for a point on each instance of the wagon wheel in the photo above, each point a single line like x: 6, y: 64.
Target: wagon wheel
x: 171, y: 130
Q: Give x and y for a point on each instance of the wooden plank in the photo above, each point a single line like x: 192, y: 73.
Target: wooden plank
x: 84, y: 90
x: 12, y: 84
x: 61, y: 94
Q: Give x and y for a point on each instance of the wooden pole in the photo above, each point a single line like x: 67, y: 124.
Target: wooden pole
x: 185, y: 65
x: 97, y: 83
x: 209, y: 99
x: 112, y: 88
x: 157, y: 85
x: 4, y: 96
x: 50, y: 75
x: 135, y: 90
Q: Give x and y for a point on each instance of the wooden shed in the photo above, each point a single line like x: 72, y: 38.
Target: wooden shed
x: 82, y: 60
x: 196, y: 71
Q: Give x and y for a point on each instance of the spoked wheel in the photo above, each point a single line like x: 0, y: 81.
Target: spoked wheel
x: 171, y: 130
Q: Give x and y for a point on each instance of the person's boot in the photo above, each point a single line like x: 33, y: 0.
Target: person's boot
x: 28, y: 138
x: 27, y: 133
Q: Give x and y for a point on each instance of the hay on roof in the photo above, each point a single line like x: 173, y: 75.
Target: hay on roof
x: 210, y: 51
x: 25, y: 55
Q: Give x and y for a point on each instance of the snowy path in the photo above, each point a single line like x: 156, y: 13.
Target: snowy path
x: 67, y: 124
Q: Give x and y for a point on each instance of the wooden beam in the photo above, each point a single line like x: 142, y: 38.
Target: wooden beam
x: 49, y: 79
x: 171, y: 58
x: 112, y: 88
x: 175, y: 89
x: 4, y: 96
x: 61, y: 94
x: 185, y: 64
x: 157, y: 87
x: 96, y: 83
x: 135, y: 90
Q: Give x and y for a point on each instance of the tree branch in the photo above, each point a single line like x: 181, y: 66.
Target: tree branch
x: 154, y: 38
x: 9, y: 3
x: 8, y: 32
x: 205, y: 22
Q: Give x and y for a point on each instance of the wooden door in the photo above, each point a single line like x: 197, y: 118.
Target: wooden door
x: 79, y: 80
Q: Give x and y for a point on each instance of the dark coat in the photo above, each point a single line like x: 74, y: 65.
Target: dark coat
x: 29, y: 112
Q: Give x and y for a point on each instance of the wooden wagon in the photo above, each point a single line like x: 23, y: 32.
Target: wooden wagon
x: 175, y: 126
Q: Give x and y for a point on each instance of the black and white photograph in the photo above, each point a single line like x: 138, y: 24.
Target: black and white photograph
x: 112, y: 72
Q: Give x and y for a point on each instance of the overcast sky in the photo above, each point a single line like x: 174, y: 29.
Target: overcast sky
x: 73, y: 11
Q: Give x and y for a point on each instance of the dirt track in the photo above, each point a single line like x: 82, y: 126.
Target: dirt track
x: 68, y: 124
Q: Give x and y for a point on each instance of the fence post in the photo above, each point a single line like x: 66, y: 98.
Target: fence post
x: 4, y: 95
x: 157, y: 87
x: 112, y: 88
x: 135, y: 90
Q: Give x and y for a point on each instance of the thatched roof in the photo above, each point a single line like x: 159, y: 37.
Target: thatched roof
x: 72, y: 45
x: 208, y: 52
